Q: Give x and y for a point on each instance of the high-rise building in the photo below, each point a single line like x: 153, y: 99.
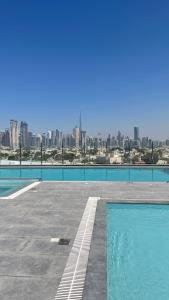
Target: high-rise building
x: 136, y: 134
x: 60, y: 139
x: 69, y: 141
x: 6, y: 138
x: 76, y: 134
x: 30, y: 139
x: 145, y: 143
x: 53, y: 138
x: 57, y: 138
x: 120, y: 140
x: 80, y: 131
x: 1, y: 137
x: 44, y: 140
x: 136, y: 142
x: 115, y: 142
x: 33, y: 139
x: 109, y: 141
x: 48, y: 141
x: 83, y: 137
x: 119, y: 137
x: 14, y: 134
x: 38, y: 141
x: 96, y: 143
x: 150, y: 143
x: 24, y: 134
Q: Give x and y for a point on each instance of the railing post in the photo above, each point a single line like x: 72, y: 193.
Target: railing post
x: 129, y: 151
x: 41, y: 153
x: 84, y: 150
x: 62, y: 153
x: 152, y: 153
x: 20, y: 154
x: 106, y: 148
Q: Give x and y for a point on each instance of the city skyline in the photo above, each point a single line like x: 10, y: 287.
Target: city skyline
x: 104, y: 132
x: 19, y: 127
x: 109, y: 60
x: 148, y: 129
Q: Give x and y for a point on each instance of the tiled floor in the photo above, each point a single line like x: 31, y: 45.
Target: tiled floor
x: 31, y: 265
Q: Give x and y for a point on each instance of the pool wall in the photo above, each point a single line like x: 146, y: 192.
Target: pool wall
x: 95, y: 285
x: 99, y: 173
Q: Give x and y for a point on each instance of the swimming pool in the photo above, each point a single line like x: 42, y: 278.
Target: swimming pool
x: 137, y: 251
x: 10, y: 186
x: 88, y: 174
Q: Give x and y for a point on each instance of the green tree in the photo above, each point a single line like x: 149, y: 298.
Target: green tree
x: 12, y: 157
x: 26, y: 155
x: 92, y: 152
x: 69, y: 156
x: 135, y: 159
x: 148, y: 158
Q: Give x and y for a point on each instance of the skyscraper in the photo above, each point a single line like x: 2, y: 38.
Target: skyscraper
x: 145, y: 142
x: 53, y: 138
x: 6, y: 138
x: 44, y: 140
x: 30, y: 139
x: 76, y: 135
x: 48, y: 142
x: 14, y: 134
x: 57, y: 138
x: 1, y: 137
x: 136, y: 133
x: 80, y: 131
x: 83, y: 136
x: 136, y: 137
x: 24, y: 134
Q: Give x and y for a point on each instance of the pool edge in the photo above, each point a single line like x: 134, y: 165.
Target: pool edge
x: 21, y: 191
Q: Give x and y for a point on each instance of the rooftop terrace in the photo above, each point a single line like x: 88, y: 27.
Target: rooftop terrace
x: 31, y: 264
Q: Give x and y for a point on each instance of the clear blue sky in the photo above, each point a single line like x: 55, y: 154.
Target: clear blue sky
x: 108, y: 59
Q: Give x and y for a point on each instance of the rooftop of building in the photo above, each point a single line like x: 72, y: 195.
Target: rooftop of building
x: 31, y: 266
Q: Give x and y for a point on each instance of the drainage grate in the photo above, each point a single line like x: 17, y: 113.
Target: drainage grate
x: 34, y: 190
x: 64, y: 242
x: 73, y: 278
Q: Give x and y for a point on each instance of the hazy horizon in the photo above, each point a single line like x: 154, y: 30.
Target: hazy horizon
x: 102, y: 133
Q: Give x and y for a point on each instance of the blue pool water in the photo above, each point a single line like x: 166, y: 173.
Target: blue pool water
x: 137, y: 252
x: 8, y: 187
x: 88, y: 174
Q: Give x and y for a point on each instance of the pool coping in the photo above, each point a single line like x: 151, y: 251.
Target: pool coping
x: 96, y: 276
x: 95, y: 285
x: 20, y: 191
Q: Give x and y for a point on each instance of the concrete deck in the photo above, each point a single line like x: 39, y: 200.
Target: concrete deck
x: 30, y: 265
